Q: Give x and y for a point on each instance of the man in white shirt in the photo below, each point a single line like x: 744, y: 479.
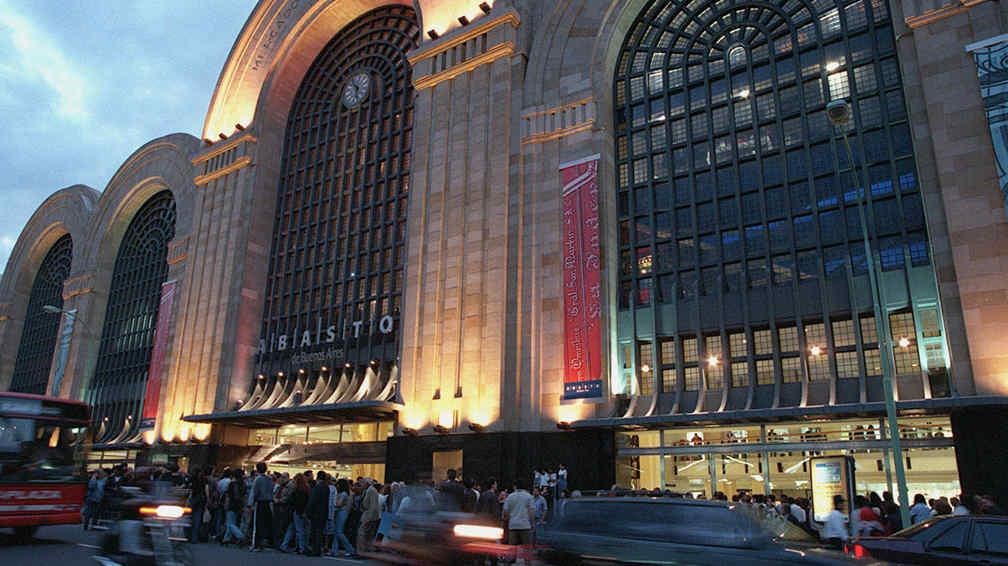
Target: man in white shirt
x: 834, y: 530
x: 798, y: 513
x: 519, y: 514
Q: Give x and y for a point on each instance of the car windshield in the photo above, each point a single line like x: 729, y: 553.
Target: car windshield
x: 38, y: 450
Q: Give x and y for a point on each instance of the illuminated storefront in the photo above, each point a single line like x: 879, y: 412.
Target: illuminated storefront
x: 622, y: 236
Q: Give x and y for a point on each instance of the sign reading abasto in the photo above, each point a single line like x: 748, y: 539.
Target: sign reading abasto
x: 582, y: 280
x: 319, y: 344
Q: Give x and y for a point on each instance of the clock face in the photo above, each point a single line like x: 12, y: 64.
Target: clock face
x: 356, y: 90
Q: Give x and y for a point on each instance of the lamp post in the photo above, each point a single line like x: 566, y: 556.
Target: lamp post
x: 839, y: 113
x: 66, y: 333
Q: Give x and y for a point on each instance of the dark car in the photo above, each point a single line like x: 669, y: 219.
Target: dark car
x: 946, y: 540
x: 621, y: 530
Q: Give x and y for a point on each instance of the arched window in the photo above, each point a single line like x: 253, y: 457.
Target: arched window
x: 38, y: 337
x: 740, y: 244
x: 336, y: 266
x: 117, y: 389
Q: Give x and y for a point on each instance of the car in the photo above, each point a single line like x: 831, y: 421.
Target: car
x: 945, y: 540
x: 663, y: 530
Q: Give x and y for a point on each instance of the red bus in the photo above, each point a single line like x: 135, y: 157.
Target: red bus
x: 42, y: 458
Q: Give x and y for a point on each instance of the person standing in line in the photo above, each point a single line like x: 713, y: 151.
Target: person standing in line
x: 342, y: 505
x: 234, y: 504
x: 519, y: 514
x: 488, y: 504
x: 93, y: 498
x: 261, y: 496
x: 540, y: 508
x: 198, y: 503
x: 284, y: 504
x: 220, y: 520
x: 920, y: 511
x: 562, y: 481
x: 370, y: 516
x: 958, y: 508
x: 834, y: 530
x: 317, y: 511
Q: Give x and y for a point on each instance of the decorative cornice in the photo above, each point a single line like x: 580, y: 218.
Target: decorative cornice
x: 78, y: 285
x: 558, y: 122
x: 178, y: 250
x: 931, y: 16
x: 240, y: 163
x: 463, y: 35
x: 496, y: 52
x: 222, y: 146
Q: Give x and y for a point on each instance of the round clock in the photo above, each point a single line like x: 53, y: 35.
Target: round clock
x: 356, y: 90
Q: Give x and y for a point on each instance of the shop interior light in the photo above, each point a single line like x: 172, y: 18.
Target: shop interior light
x: 816, y: 350
x: 904, y: 342
x: 712, y: 361
x: 323, y: 368
x: 645, y: 368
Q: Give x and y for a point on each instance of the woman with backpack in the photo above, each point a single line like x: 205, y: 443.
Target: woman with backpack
x: 297, y: 531
x: 234, y: 505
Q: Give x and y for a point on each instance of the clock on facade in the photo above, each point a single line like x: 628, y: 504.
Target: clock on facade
x: 356, y: 90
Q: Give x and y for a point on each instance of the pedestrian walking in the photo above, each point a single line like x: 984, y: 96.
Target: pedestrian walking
x: 519, y: 514
x: 234, y: 505
x: 261, y: 497
x: 93, y: 497
x: 834, y: 530
x: 342, y: 504
x: 296, y: 495
x: 317, y: 512
x: 370, y: 516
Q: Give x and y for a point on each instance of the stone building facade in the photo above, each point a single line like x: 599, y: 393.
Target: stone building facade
x: 471, y: 368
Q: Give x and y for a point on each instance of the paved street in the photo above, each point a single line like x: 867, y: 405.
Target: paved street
x: 70, y: 546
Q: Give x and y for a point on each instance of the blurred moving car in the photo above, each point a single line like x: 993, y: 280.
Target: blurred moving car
x: 621, y: 530
x: 946, y: 540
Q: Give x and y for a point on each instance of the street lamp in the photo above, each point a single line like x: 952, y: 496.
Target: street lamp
x: 64, y: 346
x: 839, y: 113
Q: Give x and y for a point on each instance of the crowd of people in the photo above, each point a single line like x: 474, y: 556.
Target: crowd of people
x: 314, y: 513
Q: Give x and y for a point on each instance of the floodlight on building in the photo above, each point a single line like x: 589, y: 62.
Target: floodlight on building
x: 476, y: 427
x: 432, y: 34
x: 485, y: 7
x: 463, y: 20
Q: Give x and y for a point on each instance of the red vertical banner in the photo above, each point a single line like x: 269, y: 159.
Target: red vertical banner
x: 162, y: 331
x: 582, y: 280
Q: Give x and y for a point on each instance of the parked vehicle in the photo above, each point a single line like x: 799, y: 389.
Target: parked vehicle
x: 622, y: 530
x: 945, y: 540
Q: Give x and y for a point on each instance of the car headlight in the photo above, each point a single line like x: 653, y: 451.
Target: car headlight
x: 479, y: 532
x: 165, y: 511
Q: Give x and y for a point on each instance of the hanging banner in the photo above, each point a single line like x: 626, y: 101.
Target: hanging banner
x: 162, y: 331
x: 66, y: 334
x: 582, y: 280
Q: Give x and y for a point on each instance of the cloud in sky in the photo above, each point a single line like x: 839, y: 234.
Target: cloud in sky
x: 87, y: 82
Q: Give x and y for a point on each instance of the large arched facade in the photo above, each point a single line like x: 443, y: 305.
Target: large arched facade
x: 38, y: 337
x: 373, y: 261
x: 116, y: 391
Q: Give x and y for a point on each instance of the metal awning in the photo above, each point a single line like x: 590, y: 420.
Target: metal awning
x: 354, y: 411
x: 905, y: 408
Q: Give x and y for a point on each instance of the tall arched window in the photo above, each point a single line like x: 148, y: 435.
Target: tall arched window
x: 741, y: 257
x: 336, y: 268
x: 38, y: 338
x: 117, y: 389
